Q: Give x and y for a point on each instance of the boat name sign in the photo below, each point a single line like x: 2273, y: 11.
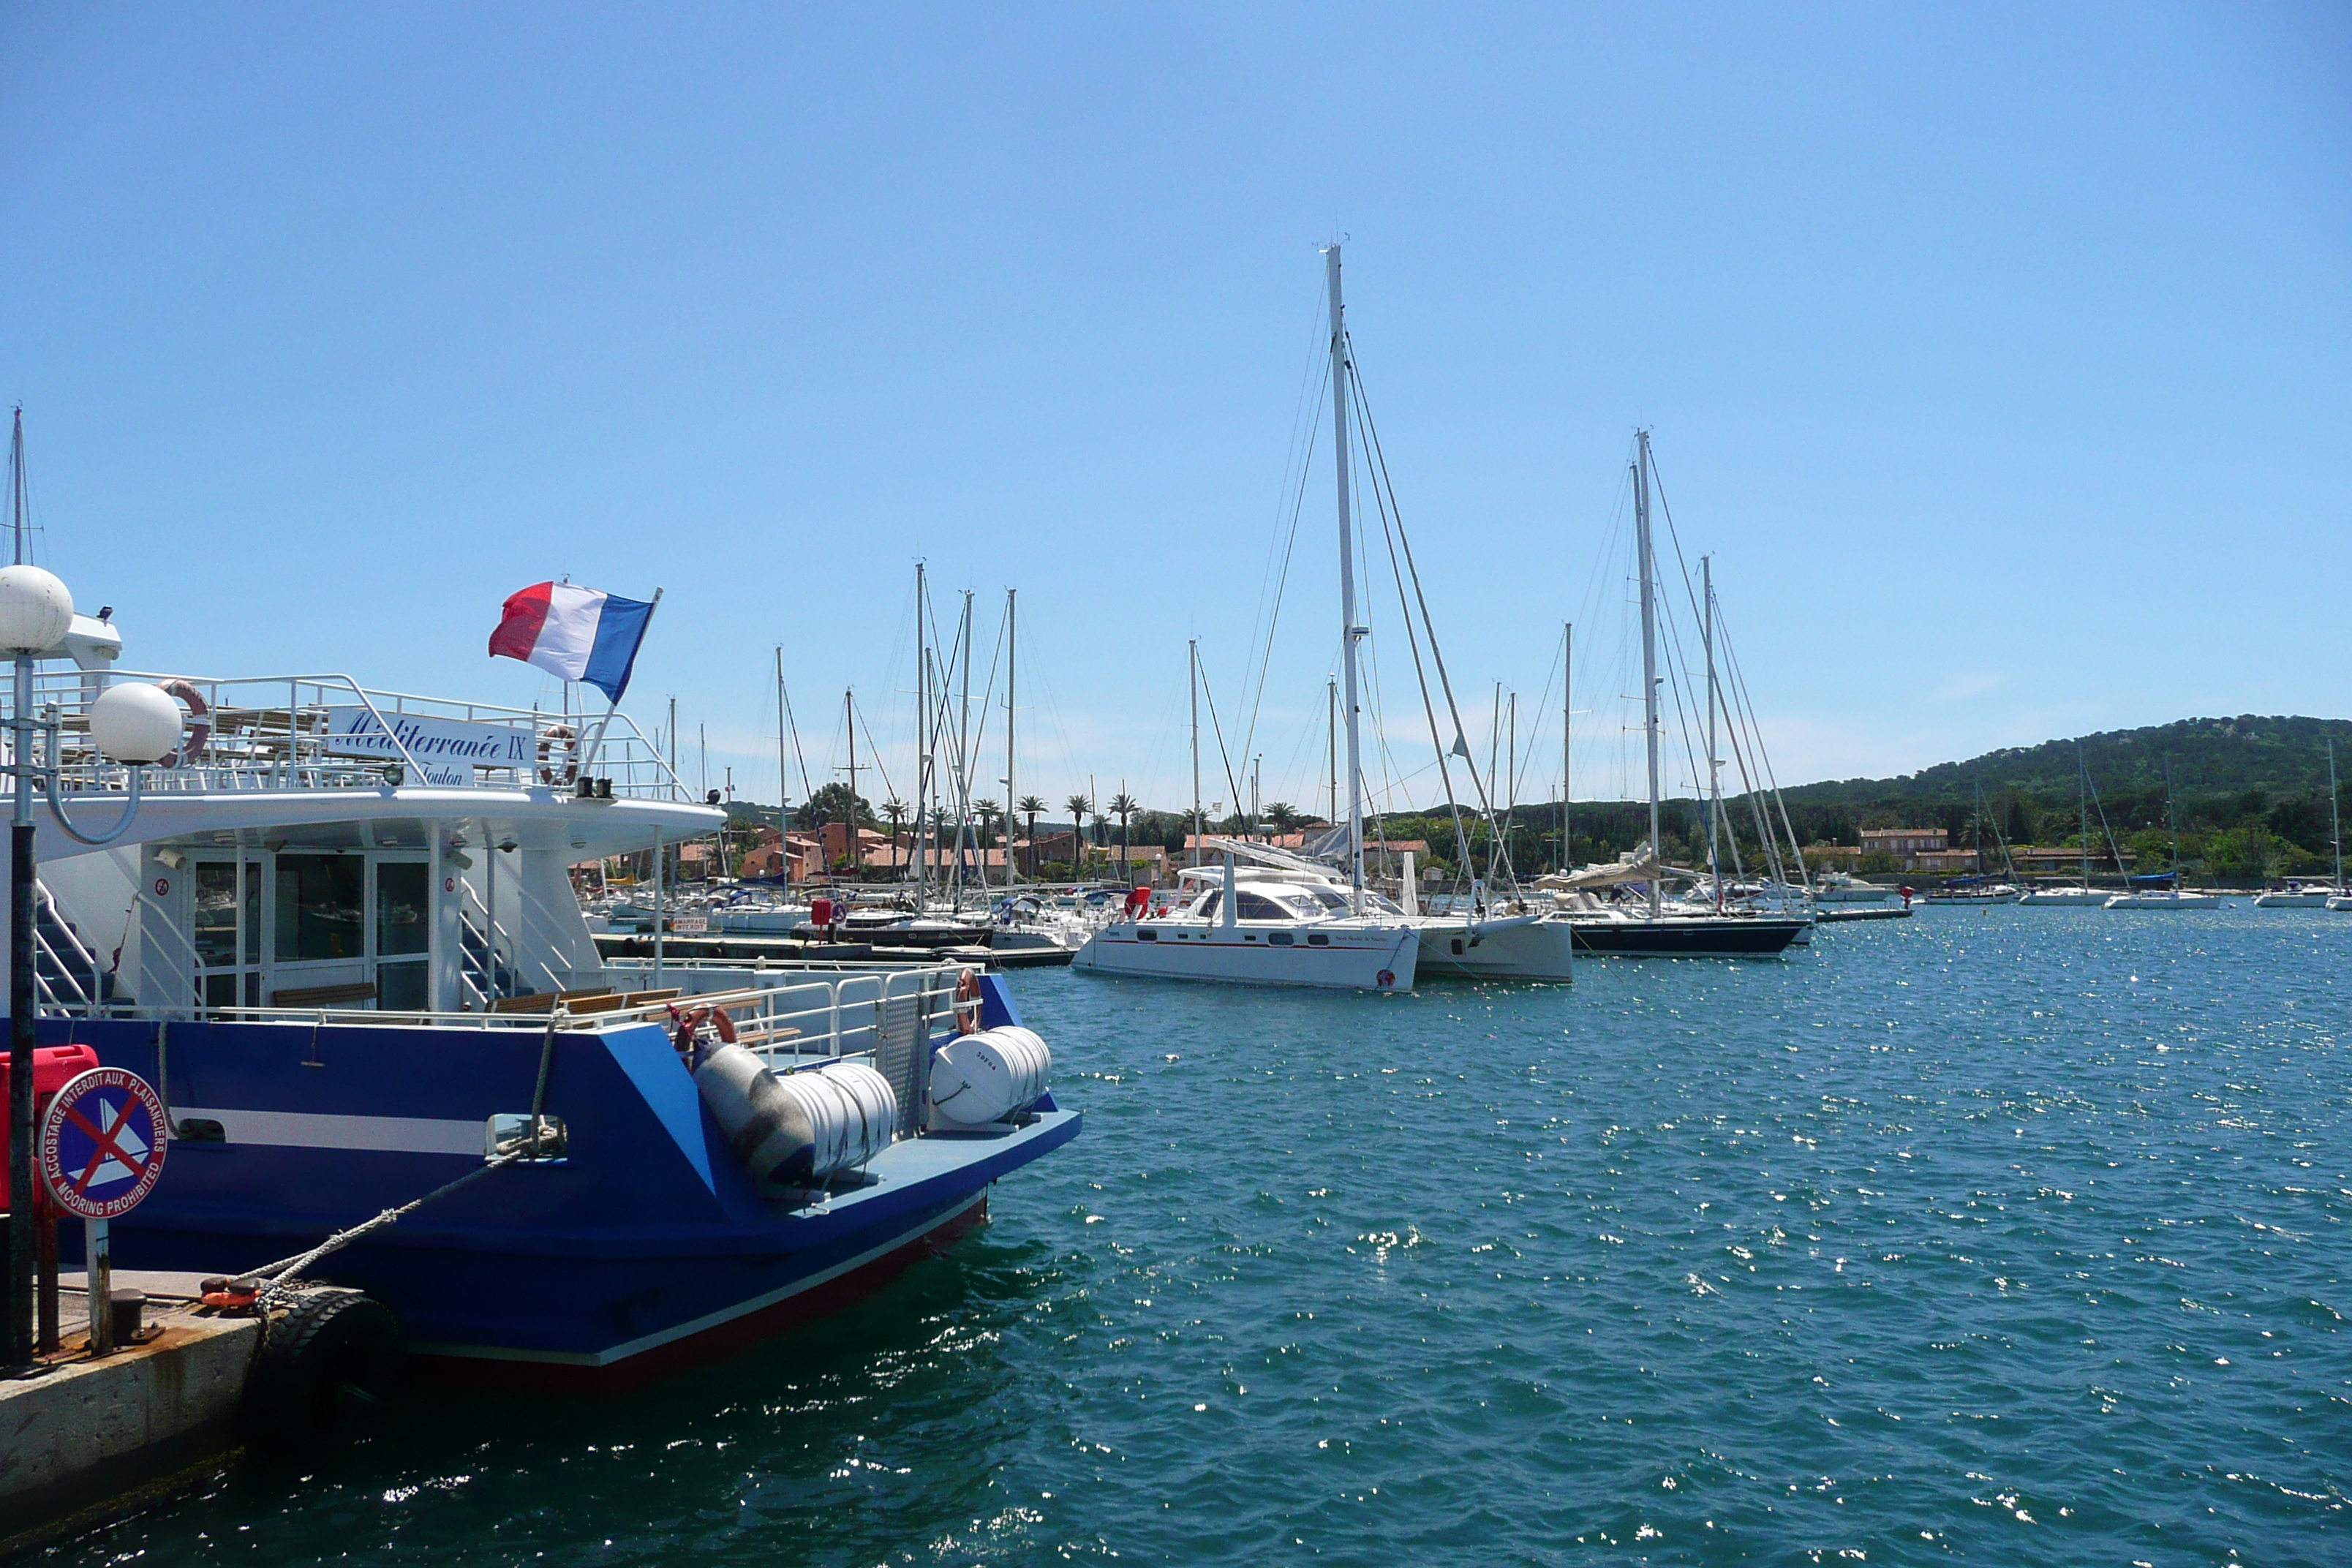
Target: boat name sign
x: 448, y: 750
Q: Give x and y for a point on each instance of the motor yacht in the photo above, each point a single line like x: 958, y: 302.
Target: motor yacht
x: 2299, y: 895
x: 1840, y: 887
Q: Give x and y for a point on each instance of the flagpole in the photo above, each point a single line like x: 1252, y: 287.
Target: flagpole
x: 594, y: 752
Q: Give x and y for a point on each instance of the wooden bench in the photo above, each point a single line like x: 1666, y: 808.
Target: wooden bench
x: 324, y: 996
x: 541, y: 1001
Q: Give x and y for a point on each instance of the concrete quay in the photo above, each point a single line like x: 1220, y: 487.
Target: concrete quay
x: 83, y: 1440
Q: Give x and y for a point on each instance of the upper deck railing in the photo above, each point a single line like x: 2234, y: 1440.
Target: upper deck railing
x: 327, y: 731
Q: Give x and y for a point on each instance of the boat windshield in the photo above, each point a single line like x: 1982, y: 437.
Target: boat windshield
x: 1335, y: 901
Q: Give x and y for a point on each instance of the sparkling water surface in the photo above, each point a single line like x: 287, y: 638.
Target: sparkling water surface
x: 2009, y: 1235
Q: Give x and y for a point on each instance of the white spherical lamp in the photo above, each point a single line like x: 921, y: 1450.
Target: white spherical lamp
x: 36, y: 610
x: 136, y: 723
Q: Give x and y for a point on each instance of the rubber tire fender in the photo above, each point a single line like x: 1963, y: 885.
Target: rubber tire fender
x: 323, y: 1369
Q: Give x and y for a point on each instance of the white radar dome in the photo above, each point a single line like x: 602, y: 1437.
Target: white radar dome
x: 136, y: 723
x: 36, y: 610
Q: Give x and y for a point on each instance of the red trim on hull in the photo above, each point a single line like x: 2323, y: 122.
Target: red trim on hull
x: 715, y: 1343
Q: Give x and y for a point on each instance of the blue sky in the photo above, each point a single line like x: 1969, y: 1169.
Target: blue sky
x: 2001, y: 358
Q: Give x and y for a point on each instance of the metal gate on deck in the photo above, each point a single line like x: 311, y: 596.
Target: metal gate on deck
x: 902, y: 1052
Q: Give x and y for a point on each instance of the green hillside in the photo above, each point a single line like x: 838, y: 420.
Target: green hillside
x: 2250, y: 796
x: 2281, y: 756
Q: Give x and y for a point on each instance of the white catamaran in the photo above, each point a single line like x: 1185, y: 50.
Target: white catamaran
x: 1266, y: 928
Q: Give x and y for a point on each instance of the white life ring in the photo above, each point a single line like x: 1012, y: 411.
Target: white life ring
x: 555, y: 738
x: 200, y: 725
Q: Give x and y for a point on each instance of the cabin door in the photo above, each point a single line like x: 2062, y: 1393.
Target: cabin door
x: 227, y: 933
x: 354, y: 920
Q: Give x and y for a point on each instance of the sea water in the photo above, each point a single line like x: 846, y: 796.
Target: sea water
x: 2007, y: 1235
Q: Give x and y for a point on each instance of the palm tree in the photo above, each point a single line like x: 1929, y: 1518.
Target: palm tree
x: 1283, y: 816
x: 1122, y: 804
x: 896, y: 811
x: 1030, y: 807
x: 1079, y: 806
x: 987, y: 812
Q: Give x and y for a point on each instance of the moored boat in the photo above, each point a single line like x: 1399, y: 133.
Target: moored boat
x: 343, y: 945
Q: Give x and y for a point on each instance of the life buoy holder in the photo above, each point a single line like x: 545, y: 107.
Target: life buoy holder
x: 967, y: 1002
x: 554, y: 741
x: 200, y: 725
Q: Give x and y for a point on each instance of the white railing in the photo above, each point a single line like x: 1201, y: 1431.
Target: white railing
x: 276, y: 731
x: 805, y: 1016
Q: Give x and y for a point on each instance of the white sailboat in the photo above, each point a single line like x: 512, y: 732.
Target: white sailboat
x: 2173, y: 897
x: 1653, y: 930
x: 1275, y: 930
x: 2307, y: 895
x: 2084, y: 896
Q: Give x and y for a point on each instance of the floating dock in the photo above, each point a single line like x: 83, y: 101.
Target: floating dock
x: 1877, y: 912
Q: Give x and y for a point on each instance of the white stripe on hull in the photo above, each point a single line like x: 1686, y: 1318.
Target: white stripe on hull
x: 368, y: 1134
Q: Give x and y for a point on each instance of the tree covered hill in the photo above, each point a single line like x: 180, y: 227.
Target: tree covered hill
x: 2207, y: 756
x: 2250, y: 800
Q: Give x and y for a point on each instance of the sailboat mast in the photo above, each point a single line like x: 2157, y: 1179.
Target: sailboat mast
x: 1713, y: 766
x: 2334, y: 816
x: 783, y: 782
x: 1011, y: 629
x: 2083, y: 799
x: 963, y: 747
x: 849, y: 840
x: 1567, y: 729
x: 2171, y: 827
x: 1348, y: 631
x: 922, y: 741
x: 1649, y: 658
x: 1331, y: 739
x: 1199, y: 826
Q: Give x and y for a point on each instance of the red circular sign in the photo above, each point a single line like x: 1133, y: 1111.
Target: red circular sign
x: 163, y: 887
x: 102, y: 1142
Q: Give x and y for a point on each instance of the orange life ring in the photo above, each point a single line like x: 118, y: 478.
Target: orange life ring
x: 553, y: 738
x: 967, y: 1002
x: 200, y: 724
x: 689, y: 1025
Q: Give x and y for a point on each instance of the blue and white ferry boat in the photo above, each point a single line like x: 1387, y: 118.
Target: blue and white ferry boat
x: 341, y: 939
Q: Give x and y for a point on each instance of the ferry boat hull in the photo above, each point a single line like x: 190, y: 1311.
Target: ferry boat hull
x: 644, y: 1247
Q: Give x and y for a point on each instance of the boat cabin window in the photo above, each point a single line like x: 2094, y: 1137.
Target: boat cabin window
x: 1207, y: 908
x: 265, y: 923
x: 1251, y: 906
x: 319, y: 907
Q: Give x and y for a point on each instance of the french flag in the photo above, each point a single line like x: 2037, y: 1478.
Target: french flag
x: 578, y: 634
